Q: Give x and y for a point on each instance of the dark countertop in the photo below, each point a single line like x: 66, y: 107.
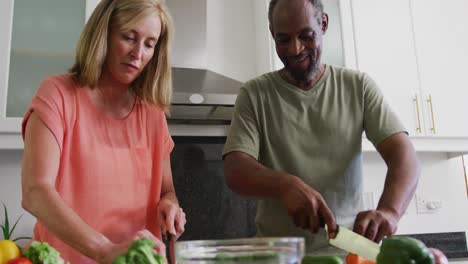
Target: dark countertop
x: 456, y: 254
x: 452, y: 244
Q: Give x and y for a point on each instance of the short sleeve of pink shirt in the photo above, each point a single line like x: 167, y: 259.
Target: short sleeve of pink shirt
x: 49, y: 105
x: 110, y: 170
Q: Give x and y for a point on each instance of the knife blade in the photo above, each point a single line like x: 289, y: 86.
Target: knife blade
x: 354, y: 243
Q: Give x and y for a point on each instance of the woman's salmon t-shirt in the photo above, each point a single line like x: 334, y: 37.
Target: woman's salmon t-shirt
x: 110, y: 170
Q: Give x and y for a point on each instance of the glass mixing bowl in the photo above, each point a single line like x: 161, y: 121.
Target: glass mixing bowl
x: 285, y: 250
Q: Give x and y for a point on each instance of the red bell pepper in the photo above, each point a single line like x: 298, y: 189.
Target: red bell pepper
x: 20, y: 260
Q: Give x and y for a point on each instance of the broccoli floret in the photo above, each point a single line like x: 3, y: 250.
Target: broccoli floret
x: 140, y: 252
x: 42, y: 253
x: 120, y: 260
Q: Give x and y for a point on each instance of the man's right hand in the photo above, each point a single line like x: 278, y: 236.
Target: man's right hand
x: 307, y: 207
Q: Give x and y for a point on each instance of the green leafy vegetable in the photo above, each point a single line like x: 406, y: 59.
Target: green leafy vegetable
x: 42, y: 253
x: 140, y: 252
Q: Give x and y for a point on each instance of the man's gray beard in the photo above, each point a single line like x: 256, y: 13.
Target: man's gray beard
x: 306, y: 76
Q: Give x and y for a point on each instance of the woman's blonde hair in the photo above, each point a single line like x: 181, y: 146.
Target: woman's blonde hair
x: 154, y: 85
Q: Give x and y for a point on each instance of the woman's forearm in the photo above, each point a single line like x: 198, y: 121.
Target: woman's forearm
x: 170, y: 195
x: 47, y: 206
x: 167, y: 187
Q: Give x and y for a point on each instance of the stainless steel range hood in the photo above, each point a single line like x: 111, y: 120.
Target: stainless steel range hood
x: 202, y: 96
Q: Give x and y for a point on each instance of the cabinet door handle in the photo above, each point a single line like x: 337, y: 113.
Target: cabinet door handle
x: 429, y: 100
x: 416, y: 102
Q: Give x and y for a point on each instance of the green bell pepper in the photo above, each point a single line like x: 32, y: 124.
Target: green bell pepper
x: 404, y: 250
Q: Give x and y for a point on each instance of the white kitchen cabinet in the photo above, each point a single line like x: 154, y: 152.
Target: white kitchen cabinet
x: 385, y: 50
x: 416, y: 51
x: 38, y: 39
x: 441, y: 37
x: 6, y: 21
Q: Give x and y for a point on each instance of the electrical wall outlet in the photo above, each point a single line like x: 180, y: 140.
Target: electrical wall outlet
x: 425, y: 205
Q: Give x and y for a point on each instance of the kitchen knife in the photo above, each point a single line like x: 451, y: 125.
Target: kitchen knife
x: 172, y: 254
x: 354, y: 243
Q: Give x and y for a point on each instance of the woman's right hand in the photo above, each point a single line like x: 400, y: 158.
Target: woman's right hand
x: 112, y: 251
x: 172, y: 218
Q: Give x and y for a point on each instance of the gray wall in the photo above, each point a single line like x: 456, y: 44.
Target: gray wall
x: 10, y: 192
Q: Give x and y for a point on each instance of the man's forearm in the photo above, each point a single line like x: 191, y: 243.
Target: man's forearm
x: 402, y: 177
x: 398, y: 191
x: 246, y: 176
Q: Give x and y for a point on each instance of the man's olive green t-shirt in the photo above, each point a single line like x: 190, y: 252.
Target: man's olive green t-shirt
x: 315, y: 135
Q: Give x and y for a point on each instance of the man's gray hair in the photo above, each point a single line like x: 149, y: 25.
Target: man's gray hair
x: 317, y: 4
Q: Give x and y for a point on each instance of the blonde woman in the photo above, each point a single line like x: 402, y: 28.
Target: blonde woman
x: 96, y: 170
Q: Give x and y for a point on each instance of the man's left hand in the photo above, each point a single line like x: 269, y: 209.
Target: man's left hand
x: 375, y: 224
x: 439, y: 257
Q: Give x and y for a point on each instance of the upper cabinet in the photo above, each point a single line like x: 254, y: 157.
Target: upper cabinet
x: 385, y: 50
x: 43, y: 40
x: 416, y: 51
x: 39, y: 39
x: 333, y: 43
x: 441, y: 40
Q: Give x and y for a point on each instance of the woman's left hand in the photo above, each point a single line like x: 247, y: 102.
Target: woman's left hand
x: 172, y: 217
